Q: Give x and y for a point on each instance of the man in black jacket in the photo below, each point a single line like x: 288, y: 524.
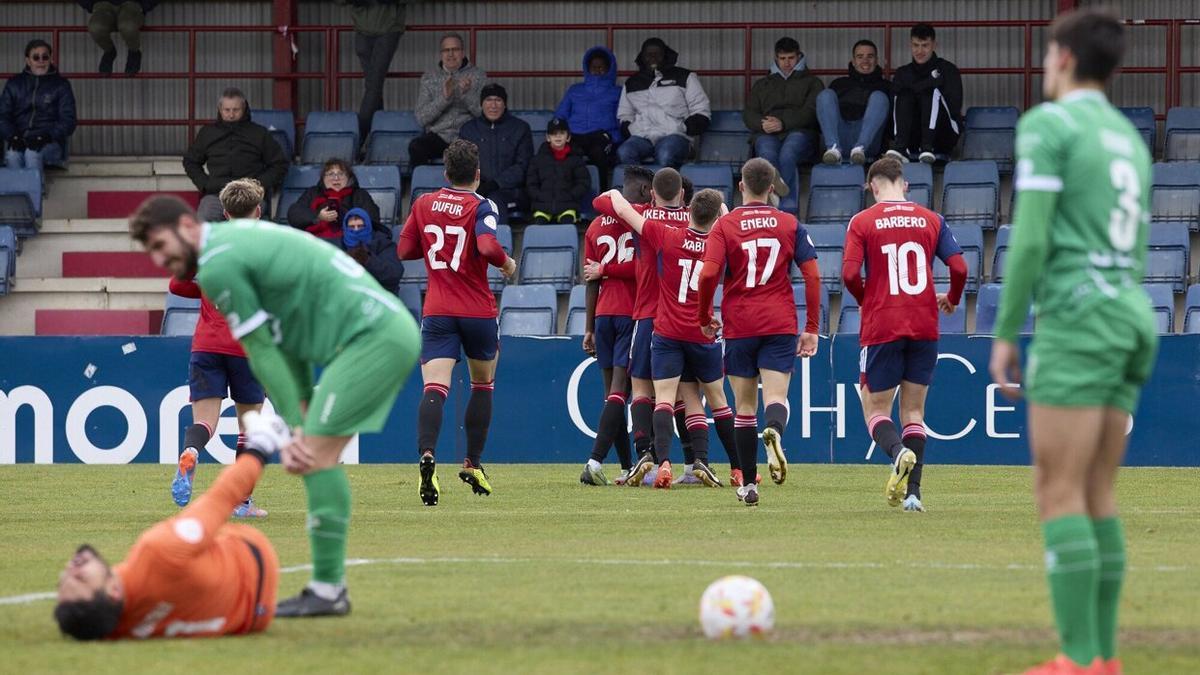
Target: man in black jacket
x: 37, y: 112
x: 118, y: 16
x: 505, y: 147
x: 927, y: 103
x: 233, y: 147
x: 853, y: 110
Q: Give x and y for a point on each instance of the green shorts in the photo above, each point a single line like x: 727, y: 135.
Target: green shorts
x: 357, y: 389
x: 1098, y: 356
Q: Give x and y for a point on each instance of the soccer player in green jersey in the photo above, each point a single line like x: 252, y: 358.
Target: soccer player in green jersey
x: 295, y: 302
x: 1079, y: 251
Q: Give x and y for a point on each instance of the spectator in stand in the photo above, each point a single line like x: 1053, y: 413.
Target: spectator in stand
x: 37, y: 112
x: 118, y: 16
x: 927, y: 101
x: 449, y: 97
x: 322, y: 209
x: 590, y: 110
x: 781, y: 114
x: 232, y: 147
x: 558, y: 179
x: 378, y: 25
x: 372, y: 246
x: 854, y: 108
x: 660, y: 107
x: 505, y: 147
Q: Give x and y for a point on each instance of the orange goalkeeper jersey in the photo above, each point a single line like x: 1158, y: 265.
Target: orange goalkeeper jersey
x: 196, y: 574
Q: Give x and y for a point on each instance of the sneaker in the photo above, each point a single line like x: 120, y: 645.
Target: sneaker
x: 248, y: 509
x: 592, y: 476
x: 927, y: 157
x: 622, y: 478
x: 1062, y: 665
x: 702, y: 473
x: 858, y: 155
x: 751, y: 496
x: 832, y: 156
x: 106, y: 61
x: 640, y: 468
x: 913, y: 503
x: 309, y: 604
x: 897, y: 155
x: 736, y: 479
x: 898, y: 480
x: 429, y: 488
x: 663, y: 480
x: 649, y: 478
x: 776, y: 460
x: 133, y: 63
x: 475, y: 477
x: 686, y: 478
x: 181, y: 485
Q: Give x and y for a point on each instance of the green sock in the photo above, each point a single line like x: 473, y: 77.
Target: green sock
x: 1073, y: 572
x: 328, y: 520
x: 1110, y: 543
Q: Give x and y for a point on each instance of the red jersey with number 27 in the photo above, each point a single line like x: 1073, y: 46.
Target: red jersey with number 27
x: 680, y: 255
x: 898, y: 241
x: 608, y: 242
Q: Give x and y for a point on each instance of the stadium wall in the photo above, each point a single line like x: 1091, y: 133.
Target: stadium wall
x: 120, y: 400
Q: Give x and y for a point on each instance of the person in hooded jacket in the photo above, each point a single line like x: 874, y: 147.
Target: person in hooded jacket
x: 927, y: 101
x: 558, y: 179
x: 37, y: 112
x: 854, y: 108
x: 321, y: 209
x: 661, y: 106
x: 372, y: 246
x: 590, y: 110
x: 232, y: 147
x: 505, y: 147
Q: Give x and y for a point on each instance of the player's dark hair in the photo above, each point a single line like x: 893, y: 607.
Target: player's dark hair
x: 462, y: 161
x: 706, y: 207
x: 887, y: 168
x: 868, y: 43
x: 689, y: 188
x: 787, y: 45
x: 923, y: 31
x: 92, y: 619
x: 667, y: 183
x: 1096, y: 38
x: 157, y: 211
x: 757, y: 176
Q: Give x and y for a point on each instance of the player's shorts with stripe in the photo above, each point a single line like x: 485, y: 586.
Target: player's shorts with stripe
x: 357, y: 389
x: 448, y: 337
x: 639, y: 349
x: 613, y: 335
x: 744, y: 357
x: 883, y: 366
x: 1098, y: 355
x: 213, y: 375
x: 690, y: 361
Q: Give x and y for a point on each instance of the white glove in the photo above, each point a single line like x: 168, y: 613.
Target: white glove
x: 266, y: 434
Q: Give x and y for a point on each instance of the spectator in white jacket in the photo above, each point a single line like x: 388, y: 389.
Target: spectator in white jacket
x: 661, y: 106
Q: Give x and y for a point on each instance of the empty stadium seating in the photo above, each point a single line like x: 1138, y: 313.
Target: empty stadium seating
x: 920, y: 183
x: 836, y: 193
x: 971, y: 193
x: 537, y: 120
x: 850, y: 318
x: 383, y: 184
x: 410, y: 295
x: 391, y: 132
x: 429, y: 178
x: 282, y: 125
x: 1143, y: 121
x: 1175, y: 193
x: 986, y: 305
x: 576, y: 311
x: 1191, y: 310
x: 717, y: 177
x: 180, y: 315
x: 1000, y: 252
x: 830, y: 240
x: 297, y: 180
x: 21, y: 200
x: 415, y: 274
x: 1182, y: 135
x: 496, y: 280
x: 1167, y: 258
x: 328, y: 135
x: 528, y: 310
x: 801, y: 308
x: 727, y: 140
x: 970, y: 239
x: 1162, y: 301
x: 990, y: 133
x: 550, y: 255
x: 955, y: 323
x: 8, y: 248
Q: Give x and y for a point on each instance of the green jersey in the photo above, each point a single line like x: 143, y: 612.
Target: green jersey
x: 1082, y: 212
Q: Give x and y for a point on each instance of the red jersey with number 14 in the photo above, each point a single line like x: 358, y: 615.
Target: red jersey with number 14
x: 898, y: 241
x: 608, y: 242
x: 680, y: 255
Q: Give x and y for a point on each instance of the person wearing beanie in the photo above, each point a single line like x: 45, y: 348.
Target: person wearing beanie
x: 505, y: 147
x: 558, y: 179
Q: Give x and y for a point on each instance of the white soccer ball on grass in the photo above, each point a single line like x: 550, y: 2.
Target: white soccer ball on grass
x: 736, y: 607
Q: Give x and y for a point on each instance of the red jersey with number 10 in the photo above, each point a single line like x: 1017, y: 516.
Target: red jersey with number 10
x: 898, y: 241
x: 680, y: 255
x: 608, y: 242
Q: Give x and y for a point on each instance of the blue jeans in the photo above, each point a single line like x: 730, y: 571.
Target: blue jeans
x: 669, y: 151
x: 848, y: 134
x: 51, y: 154
x: 785, y: 155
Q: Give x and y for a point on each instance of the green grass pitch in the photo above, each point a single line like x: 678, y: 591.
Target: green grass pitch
x: 548, y: 576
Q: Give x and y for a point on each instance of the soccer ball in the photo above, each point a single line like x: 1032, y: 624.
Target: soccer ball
x: 736, y: 607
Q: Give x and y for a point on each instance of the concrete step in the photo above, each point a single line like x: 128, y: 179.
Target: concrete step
x: 123, y: 264
x: 98, y: 321
x: 19, y: 308
x: 67, y: 195
x: 41, y: 256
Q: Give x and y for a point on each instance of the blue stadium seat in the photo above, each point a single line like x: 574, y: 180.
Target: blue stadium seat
x: 391, y: 132
x: 1183, y: 135
x: 429, y: 178
x: 850, y: 318
x: 836, y: 193
x: 801, y: 308
x: 576, y: 311
x: 952, y: 323
x: 1191, y: 311
x: 282, y: 125
x: 586, y: 212
x: 6, y: 263
x: 528, y: 310
x: 180, y: 315
x: 504, y: 235
x: 1003, y: 234
x: 985, y: 311
x: 830, y: 241
x: 1167, y: 259
x: 990, y: 133
x: 410, y: 295
x: 1162, y: 301
x: 297, y: 180
x: 1175, y: 193
x: 920, y: 183
x: 383, y: 184
x: 8, y: 243
x: 1143, y: 121
x: 970, y: 239
x: 550, y: 255
x: 727, y: 140
x: 328, y: 135
x: 416, y: 275
x: 716, y: 177
x: 537, y: 120
x: 971, y: 193
x: 21, y: 200
x: 618, y: 174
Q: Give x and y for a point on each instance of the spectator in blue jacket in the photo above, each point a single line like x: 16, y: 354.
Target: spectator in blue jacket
x: 372, y: 246
x: 37, y: 112
x: 505, y: 147
x: 590, y: 109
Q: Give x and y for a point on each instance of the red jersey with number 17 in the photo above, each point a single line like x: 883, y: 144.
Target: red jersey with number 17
x: 898, y: 241
x: 608, y: 242
x: 448, y: 228
x: 680, y: 255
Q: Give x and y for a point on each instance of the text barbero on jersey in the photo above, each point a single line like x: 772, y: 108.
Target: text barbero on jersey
x: 900, y: 221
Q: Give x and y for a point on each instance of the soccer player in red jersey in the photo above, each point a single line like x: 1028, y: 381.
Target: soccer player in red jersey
x: 454, y: 230
x: 611, y: 292
x: 898, y: 239
x: 681, y: 351
x: 218, y: 365
x: 756, y: 244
